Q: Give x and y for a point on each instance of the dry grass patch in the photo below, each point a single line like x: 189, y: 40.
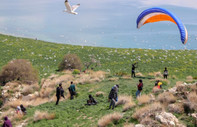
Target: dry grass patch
x: 158, y: 74
x: 144, y: 99
x: 192, y: 97
x: 46, y: 92
x: 14, y: 104
x: 40, y: 115
x: 126, y: 77
x: 129, y: 125
x: 128, y: 106
x: 147, y: 111
x: 109, y: 118
x: 123, y: 99
x: 189, y: 79
x: 156, y: 90
x: 150, y: 122
x: 99, y: 93
x: 176, y: 108
x: 139, y: 74
x: 166, y: 98
x: 113, y: 79
x: 28, y: 89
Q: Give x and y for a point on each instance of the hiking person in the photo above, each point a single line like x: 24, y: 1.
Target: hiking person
x: 72, y: 90
x: 156, y: 82
x: 58, y: 93
x: 7, y: 122
x: 159, y: 84
x: 23, y: 109
x: 113, y: 96
x: 133, y: 69
x: 140, y: 87
x: 91, y: 101
x: 165, y: 73
x: 18, y: 110
x: 62, y: 92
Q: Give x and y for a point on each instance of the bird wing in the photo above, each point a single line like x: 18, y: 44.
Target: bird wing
x: 68, y: 7
x: 74, y: 7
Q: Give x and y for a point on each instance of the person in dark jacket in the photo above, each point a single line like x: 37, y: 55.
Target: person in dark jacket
x: 58, y: 93
x: 91, y: 101
x: 133, y: 69
x: 7, y: 122
x: 23, y: 109
x: 113, y: 96
x: 140, y: 87
x: 165, y: 73
x: 62, y: 92
x: 72, y: 90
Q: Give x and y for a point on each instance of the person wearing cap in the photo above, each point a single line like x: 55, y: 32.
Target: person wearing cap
x: 7, y: 122
x: 113, y: 96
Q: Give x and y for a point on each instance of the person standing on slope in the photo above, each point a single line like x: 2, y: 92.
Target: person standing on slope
x: 72, y: 90
x: 140, y: 87
x: 133, y: 69
x: 165, y: 73
x: 58, y: 93
x: 7, y: 122
x: 113, y: 96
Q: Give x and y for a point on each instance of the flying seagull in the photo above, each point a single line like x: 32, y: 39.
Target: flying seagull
x: 70, y: 9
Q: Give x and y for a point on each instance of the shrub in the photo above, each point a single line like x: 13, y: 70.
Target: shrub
x: 69, y: 62
x: 19, y: 70
x: 144, y: 99
x: 128, y: 106
x: 107, y: 119
x: 76, y: 71
x: 166, y: 97
x: 176, y: 108
x: 192, y: 97
x: 43, y: 115
x: 123, y: 99
x: 147, y: 111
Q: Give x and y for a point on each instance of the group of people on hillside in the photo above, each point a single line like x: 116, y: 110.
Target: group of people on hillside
x: 60, y: 92
x: 134, y: 66
x: 113, y: 95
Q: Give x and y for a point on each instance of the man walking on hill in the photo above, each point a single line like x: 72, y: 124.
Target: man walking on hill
x: 113, y: 96
x: 133, y: 69
x: 72, y: 90
x: 58, y: 93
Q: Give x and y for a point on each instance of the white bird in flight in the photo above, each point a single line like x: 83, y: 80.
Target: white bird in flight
x: 70, y: 9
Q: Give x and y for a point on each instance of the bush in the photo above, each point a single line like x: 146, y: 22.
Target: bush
x: 18, y: 70
x: 69, y: 62
x: 76, y: 71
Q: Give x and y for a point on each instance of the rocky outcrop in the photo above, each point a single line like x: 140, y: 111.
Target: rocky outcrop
x: 168, y: 119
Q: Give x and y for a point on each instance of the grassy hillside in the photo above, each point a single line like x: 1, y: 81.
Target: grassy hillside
x: 46, y: 57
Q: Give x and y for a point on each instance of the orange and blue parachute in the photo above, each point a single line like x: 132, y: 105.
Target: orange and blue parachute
x: 160, y: 14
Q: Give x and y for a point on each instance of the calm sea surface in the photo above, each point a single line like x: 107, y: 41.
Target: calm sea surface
x: 109, y: 23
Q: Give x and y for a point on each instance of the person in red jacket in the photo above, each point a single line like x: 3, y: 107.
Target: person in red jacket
x: 140, y: 87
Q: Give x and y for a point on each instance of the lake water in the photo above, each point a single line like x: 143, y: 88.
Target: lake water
x: 106, y: 23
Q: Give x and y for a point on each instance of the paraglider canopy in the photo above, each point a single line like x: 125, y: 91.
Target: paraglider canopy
x: 160, y: 14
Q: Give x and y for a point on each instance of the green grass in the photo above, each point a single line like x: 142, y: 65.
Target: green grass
x: 46, y: 56
x: 71, y: 112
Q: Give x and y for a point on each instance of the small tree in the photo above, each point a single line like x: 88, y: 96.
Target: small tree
x: 69, y: 62
x: 18, y: 70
